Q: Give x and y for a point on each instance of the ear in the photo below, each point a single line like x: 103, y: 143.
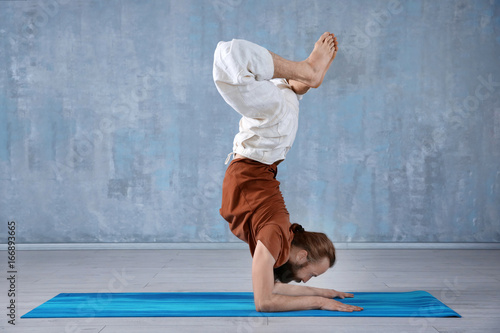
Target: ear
x: 302, y: 256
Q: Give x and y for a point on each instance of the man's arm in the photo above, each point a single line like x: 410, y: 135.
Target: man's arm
x: 267, y: 301
x: 295, y: 290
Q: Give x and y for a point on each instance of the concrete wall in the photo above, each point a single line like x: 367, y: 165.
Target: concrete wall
x: 111, y: 129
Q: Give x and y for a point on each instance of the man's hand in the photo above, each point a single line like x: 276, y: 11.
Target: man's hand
x: 331, y: 293
x: 333, y: 305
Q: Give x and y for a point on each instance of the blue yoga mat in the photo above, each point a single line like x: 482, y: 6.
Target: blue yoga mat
x: 375, y: 304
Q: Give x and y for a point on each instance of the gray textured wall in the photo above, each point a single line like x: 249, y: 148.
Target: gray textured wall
x: 111, y: 129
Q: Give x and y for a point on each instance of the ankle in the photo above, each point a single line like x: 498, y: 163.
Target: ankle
x: 311, y: 75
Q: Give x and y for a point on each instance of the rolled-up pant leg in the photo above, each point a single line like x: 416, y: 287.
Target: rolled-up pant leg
x: 241, y: 72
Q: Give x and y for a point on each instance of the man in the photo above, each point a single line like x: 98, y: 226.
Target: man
x: 265, y: 89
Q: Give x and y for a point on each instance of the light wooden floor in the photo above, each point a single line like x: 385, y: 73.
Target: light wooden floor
x: 466, y: 280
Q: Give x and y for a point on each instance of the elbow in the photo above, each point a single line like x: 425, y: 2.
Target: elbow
x: 260, y: 308
x: 263, y: 306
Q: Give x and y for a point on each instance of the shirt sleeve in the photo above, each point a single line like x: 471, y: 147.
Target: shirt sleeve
x: 273, y: 239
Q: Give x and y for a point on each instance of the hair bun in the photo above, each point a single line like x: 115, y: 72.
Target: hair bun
x: 297, y: 228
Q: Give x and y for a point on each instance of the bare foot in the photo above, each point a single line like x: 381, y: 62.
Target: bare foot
x: 309, y: 73
x: 336, y: 48
x: 333, y: 57
x: 298, y: 87
x: 320, y: 59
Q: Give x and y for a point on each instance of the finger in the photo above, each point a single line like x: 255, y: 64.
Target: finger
x: 345, y: 307
x: 353, y: 309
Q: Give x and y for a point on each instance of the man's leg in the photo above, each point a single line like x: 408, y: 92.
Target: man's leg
x: 242, y: 71
x: 309, y: 73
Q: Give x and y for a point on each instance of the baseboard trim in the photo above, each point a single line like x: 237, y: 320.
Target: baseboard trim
x: 243, y: 246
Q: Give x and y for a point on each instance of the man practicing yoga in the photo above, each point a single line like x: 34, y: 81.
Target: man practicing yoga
x: 265, y: 89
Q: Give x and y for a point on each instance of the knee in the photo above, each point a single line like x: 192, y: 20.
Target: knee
x: 232, y: 51
x: 230, y: 61
x: 223, y: 48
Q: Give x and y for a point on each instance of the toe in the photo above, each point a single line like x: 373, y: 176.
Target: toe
x: 331, y: 43
x: 324, y: 36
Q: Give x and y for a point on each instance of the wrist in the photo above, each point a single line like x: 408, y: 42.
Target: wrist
x: 321, y: 302
x: 322, y: 292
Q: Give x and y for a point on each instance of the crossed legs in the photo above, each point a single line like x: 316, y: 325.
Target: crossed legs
x: 239, y: 64
x: 309, y: 73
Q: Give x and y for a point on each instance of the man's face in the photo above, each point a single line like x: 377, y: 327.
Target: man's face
x: 309, y: 270
x: 301, y: 271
